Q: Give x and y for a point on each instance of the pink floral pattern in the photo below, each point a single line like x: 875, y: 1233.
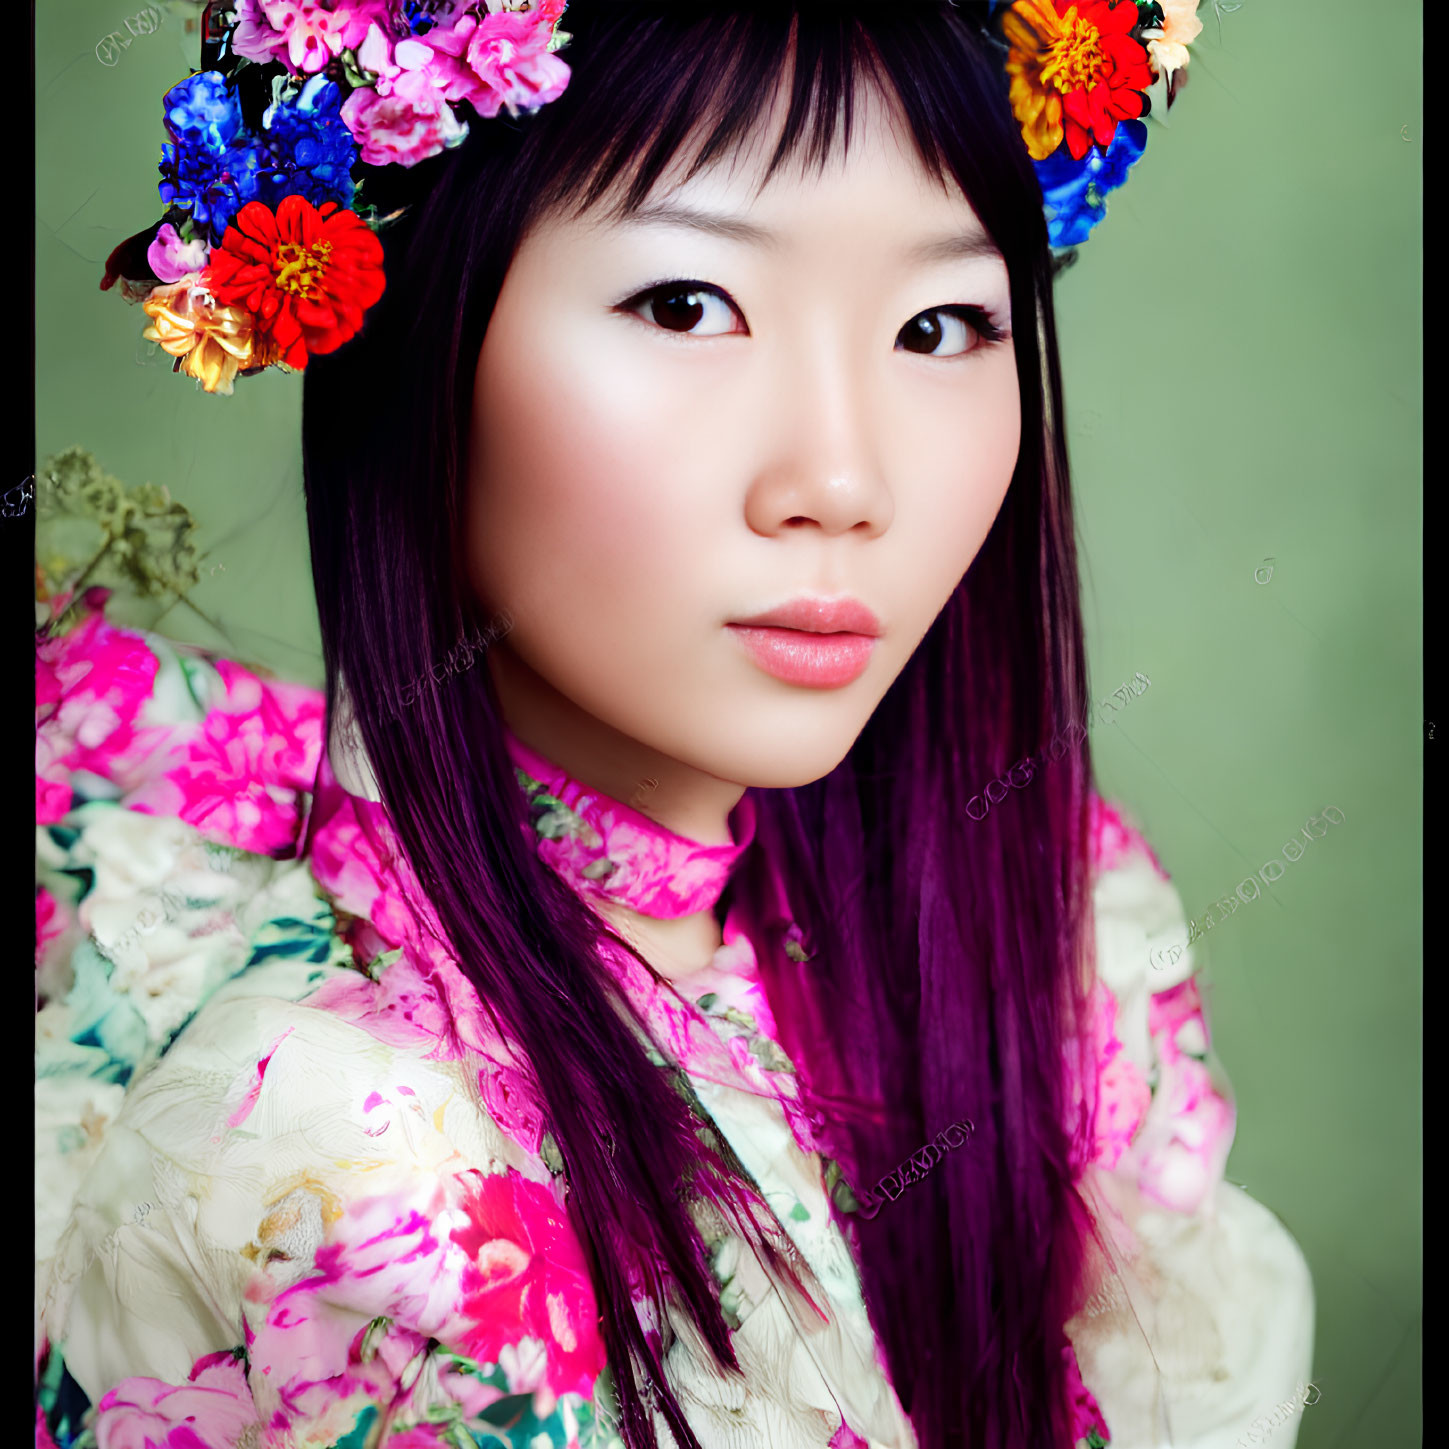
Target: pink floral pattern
x: 616, y: 853
x: 239, y: 776
x: 91, y: 686
x: 1114, y: 839
x: 479, y: 1263
x: 51, y: 919
x: 1123, y: 1095
x: 211, y: 1409
x: 1184, y: 1148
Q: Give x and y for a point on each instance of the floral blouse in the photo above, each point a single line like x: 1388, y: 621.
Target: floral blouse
x: 293, y: 1190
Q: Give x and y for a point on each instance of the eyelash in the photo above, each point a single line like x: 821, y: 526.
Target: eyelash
x: 978, y: 318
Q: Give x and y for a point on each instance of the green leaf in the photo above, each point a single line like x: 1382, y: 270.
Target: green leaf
x: 379, y: 964
x: 552, y: 1157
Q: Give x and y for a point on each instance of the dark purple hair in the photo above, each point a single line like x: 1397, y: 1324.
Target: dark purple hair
x: 947, y: 959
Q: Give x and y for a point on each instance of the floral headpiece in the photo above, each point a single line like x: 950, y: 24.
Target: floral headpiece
x: 276, y: 174
x: 1083, y: 73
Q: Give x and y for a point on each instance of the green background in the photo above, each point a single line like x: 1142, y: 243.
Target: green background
x: 1242, y: 352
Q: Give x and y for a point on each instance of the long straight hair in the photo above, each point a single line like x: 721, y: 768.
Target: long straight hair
x: 924, y: 967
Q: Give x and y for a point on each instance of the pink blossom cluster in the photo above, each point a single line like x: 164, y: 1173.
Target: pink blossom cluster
x: 484, y: 1264
x: 490, y: 58
x: 237, y: 775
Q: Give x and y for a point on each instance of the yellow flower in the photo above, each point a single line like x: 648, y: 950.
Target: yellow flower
x: 1180, y: 28
x: 214, y: 342
x: 1032, y: 29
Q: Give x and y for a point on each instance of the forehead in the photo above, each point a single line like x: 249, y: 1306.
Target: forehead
x: 874, y: 156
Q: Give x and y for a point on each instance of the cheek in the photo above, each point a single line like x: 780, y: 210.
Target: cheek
x: 958, y: 455
x: 586, y: 507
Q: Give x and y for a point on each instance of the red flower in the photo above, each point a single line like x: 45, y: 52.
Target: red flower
x: 1114, y: 79
x: 308, y: 275
x: 1074, y: 69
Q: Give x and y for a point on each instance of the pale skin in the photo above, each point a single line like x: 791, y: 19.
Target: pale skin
x: 649, y: 467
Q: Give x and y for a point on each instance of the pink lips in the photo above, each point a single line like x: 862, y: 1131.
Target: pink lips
x: 819, y: 643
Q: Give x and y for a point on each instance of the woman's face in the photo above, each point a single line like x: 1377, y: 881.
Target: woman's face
x: 726, y: 407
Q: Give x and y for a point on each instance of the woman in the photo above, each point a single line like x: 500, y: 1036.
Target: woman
x: 673, y: 1050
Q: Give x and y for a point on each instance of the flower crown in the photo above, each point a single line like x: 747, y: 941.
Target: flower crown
x: 276, y: 176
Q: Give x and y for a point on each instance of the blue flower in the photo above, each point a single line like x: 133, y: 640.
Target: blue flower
x: 306, y: 147
x: 1076, y: 192
x: 203, y: 110
x: 210, y: 169
x: 421, y: 15
x: 415, y: 12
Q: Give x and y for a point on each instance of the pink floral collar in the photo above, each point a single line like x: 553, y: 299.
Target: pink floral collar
x: 612, y: 852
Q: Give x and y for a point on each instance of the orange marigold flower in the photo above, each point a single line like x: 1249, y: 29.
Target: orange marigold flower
x: 211, y: 343
x: 1075, y: 72
x: 306, y: 275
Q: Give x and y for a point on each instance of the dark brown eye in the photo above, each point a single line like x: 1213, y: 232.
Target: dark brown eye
x: 679, y: 311
x: 683, y: 306
x: 961, y: 329
x: 922, y: 333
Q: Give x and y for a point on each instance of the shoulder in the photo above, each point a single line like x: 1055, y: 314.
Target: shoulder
x: 127, y: 715
x: 1164, y: 1104
x: 1137, y: 907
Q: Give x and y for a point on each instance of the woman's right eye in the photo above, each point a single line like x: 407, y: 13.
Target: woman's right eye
x: 683, y: 306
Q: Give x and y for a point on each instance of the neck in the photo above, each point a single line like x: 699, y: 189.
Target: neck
x: 677, y: 948
x: 679, y: 797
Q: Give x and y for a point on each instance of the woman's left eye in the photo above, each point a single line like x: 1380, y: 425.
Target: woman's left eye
x: 948, y: 332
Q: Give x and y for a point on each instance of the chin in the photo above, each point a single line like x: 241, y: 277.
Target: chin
x: 781, y: 760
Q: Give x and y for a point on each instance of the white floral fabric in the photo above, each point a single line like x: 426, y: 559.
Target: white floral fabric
x: 292, y: 1189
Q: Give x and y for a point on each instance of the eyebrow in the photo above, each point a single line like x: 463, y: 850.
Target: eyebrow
x: 955, y: 247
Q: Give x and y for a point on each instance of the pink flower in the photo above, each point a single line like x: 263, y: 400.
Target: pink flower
x: 42, y: 1432
x: 479, y: 1263
x: 405, y: 126
x: 211, y: 1411
x: 304, y: 34
x: 52, y: 796
x: 1169, y: 1011
x: 1183, y: 1158
x: 1122, y: 1094
x: 412, y: 1005
x: 173, y: 259
x: 525, y: 1274
x: 388, y: 59
x: 51, y: 919
x: 91, y: 685
x: 1113, y: 839
x: 239, y: 777
x: 47, y: 683
x: 502, y: 60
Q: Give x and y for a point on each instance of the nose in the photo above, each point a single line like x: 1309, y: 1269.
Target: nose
x: 822, y: 462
